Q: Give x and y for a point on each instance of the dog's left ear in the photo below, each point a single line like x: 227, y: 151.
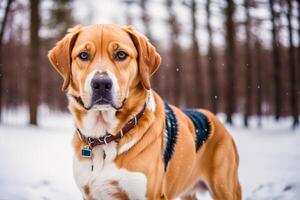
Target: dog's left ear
x: 60, y: 55
x: 148, y: 58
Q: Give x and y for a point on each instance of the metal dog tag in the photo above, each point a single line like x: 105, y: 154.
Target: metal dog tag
x: 86, y: 152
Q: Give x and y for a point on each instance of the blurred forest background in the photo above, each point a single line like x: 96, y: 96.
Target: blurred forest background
x: 229, y: 56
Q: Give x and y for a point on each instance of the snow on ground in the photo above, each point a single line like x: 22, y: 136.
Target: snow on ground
x: 36, y: 163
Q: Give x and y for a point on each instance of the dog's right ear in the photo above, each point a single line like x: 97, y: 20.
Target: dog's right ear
x: 60, y: 55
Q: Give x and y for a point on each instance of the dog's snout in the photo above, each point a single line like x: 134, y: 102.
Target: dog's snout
x: 101, y: 84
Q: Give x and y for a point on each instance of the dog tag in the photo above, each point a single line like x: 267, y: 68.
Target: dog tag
x: 86, y: 152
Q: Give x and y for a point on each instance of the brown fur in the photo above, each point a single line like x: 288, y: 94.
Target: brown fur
x: 86, y: 190
x: 189, y: 197
x: 120, y: 194
x: 216, y: 163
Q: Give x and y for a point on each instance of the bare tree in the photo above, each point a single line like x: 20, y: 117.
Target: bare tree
x: 298, y: 1
x: 213, y: 80
x: 196, y: 58
x: 298, y: 74
x: 292, y: 68
x: 146, y: 19
x: 259, y: 83
x: 198, y: 80
x: 60, y: 17
x: 128, y: 3
x: 33, y: 72
x: 230, y: 60
x: 248, y: 60
x: 2, y: 30
x: 276, y: 62
x: 175, y: 51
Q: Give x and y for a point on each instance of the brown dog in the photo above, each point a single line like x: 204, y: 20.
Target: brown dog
x: 128, y: 143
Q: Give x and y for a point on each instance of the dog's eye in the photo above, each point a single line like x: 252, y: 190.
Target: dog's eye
x: 120, y: 55
x: 84, y: 56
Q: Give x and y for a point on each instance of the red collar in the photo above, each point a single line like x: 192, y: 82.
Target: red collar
x: 92, y: 142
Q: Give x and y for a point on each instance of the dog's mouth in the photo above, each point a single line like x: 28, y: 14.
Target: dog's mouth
x: 99, y: 104
x: 102, y: 103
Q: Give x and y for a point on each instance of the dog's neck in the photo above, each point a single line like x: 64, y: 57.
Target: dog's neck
x: 95, y: 123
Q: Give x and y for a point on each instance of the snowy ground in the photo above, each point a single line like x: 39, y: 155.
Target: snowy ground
x: 36, y: 163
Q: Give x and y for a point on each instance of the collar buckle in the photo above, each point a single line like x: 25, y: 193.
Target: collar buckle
x: 91, y: 141
x: 105, y: 137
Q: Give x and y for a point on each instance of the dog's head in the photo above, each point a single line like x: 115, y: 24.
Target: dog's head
x: 102, y: 63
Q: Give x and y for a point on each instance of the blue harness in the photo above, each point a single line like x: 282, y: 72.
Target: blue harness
x: 171, y: 131
x: 201, y: 124
x: 202, y: 127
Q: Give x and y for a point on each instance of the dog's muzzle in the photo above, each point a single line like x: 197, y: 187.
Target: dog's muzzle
x: 101, y: 85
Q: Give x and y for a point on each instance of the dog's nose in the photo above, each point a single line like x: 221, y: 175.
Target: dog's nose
x: 101, y: 85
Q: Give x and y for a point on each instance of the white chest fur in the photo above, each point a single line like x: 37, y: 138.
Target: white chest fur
x: 105, y: 172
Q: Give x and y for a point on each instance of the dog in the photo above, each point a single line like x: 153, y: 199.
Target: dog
x: 128, y: 142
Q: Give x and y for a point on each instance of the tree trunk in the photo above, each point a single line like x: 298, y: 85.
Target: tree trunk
x: 248, y: 65
x: 198, y: 80
x: 276, y: 63
x: 259, y: 86
x: 175, y: 53
x: 298, y: 72
x: 213, y: 80
x: 292, y: 69
x: 2, y: 30
x: 230, y: 61
x: 146, y: 19
x: 127, y: 12
x: 33, y: 73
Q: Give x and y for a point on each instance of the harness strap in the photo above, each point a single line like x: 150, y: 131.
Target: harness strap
x: 202, y: 126
x: 202, y: 129
x: 171, y: 132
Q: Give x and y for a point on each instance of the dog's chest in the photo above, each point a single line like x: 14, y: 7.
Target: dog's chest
x: 100, y: 178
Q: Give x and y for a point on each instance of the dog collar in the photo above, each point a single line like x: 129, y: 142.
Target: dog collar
x: 93, y: 142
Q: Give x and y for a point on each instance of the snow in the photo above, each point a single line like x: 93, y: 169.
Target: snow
x: 36, y: 162
x: 269, y: 165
